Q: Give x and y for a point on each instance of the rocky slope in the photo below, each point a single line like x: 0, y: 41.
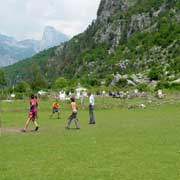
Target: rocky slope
x: 107, y: 44
x: 128, y: 37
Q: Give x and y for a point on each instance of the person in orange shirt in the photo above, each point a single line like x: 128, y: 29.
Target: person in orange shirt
x: 55, y: 108
x: 73, y: 114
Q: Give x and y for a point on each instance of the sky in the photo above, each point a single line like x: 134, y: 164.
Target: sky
x: 24, y: 19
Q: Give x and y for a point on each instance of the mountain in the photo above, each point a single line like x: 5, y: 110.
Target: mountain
x: 52, y: 37
x: 133, y: 38
x: 31, y: 44
x: 12, y: 51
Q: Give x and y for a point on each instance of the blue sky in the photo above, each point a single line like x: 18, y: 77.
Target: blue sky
x: 27, y: 18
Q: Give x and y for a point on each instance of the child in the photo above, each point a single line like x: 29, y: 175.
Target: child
x: 73, y: 115
x: 36, y: 107
x: 55, y: 108
x: 32, y: 114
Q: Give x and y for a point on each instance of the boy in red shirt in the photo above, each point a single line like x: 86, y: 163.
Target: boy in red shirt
x: 32, y: 114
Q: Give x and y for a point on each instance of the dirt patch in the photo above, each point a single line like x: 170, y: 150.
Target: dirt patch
x: 14, y: 130
x: 10, y: 130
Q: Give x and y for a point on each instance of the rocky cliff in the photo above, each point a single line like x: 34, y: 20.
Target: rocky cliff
x: 52, y: 37
x: 117, y: 22
x: 128, y: 37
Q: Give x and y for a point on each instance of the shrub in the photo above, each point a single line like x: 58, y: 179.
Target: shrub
x: 22, y: 87
x: 19, y: 95
x: 166, y: 85
x: 162, y: 85
x: 175, y: 86
x: 60, y: 83
x: 155, y: 73
x: 122, y: 83
x: 142, y: 87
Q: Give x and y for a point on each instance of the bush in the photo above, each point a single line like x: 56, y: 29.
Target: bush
x: 22, y: 87
x: 109, y: 79
x: 122, y: 83
x: 3, y: 95
x: 175, y: 86
x: 90, y: 81
x: 60, y: 83
x: 162, y: 85
x: 155, y: 73
x: 19, y: 95
x: 166, y: 85
x: 142, y: 87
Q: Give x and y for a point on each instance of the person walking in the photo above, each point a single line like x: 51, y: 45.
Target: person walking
x: 36, y: 108
x: 32, y: 114
x: 91, y: 108
x: 73, y: 115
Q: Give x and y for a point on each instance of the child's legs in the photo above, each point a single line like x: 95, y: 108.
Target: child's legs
x: 52, y: 113
x: 35, y: 123
x: 69, y: 120
x: 76, y: 124
x: 76, y: 120
x: 27, y: 124
x: 36, y: 115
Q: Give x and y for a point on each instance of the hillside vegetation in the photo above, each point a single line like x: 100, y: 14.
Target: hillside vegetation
x: 128, y: 37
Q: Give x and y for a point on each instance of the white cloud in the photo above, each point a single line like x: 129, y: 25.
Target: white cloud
x: 27, y: 18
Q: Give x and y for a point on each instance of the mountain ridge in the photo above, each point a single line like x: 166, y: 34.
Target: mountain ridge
x: 127, y: 37
x: 12, y: 50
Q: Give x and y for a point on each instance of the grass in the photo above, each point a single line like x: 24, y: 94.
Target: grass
x: 125, y: 144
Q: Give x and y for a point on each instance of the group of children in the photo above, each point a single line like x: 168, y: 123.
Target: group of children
x: 33, y: 112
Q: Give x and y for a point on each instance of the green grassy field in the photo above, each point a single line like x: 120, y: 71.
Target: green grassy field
x: 125, y: 144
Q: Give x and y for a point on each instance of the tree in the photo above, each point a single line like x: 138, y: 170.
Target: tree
x: 2, y: 79
x: 90, y: 80
x: 60, y: 83
x: 22, y: 87
x: 35, y: 77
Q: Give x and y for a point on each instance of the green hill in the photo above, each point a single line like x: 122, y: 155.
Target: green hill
x: 128, y: 37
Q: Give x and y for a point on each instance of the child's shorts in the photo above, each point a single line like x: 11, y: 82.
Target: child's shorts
x: 55, y: 110
x: 32, y: 115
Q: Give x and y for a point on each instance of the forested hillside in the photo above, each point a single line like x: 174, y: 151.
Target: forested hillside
x: 129, y: 37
